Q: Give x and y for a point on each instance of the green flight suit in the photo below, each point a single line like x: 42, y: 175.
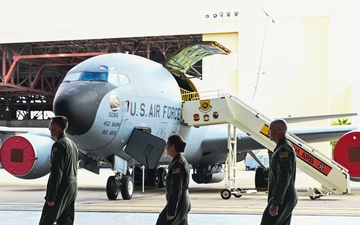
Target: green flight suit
x: 177, y: 193
x: 62, y: 184
x: 281, y: 185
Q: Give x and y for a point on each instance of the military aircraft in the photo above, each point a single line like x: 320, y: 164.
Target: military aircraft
x: 121, y: 109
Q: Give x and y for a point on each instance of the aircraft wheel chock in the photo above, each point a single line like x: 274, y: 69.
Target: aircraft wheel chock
x: 225, y: 194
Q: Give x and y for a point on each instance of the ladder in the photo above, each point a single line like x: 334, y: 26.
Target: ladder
x: 215, y: 107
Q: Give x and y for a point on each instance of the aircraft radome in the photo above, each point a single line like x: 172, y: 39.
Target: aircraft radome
x: 121, y: 109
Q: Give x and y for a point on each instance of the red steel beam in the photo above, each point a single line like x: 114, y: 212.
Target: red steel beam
x: 17, y: 58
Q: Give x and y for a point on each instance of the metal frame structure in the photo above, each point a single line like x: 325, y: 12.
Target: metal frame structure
x: 228, y: 109
x: 230, y: 164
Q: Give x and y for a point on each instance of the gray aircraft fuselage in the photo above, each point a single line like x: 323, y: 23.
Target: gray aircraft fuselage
x: 133, y: 93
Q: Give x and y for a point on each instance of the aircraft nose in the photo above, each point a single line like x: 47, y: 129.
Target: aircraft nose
x: 79, y: 103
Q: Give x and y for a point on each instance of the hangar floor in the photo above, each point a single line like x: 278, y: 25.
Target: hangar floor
x: 24, y: 199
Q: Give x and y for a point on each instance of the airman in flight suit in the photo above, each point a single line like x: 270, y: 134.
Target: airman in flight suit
x: 62, y: 184
x: 282, y: 195
x: 177, y: 185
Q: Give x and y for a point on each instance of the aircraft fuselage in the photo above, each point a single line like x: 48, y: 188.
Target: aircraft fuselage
x: 106, y: 97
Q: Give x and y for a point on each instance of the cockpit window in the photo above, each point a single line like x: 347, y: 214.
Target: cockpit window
x: 118, y: 79
x: 114, y: 78
x: 72, y: 77
x: 94, y: 76
x: 124, y: 80
x: 86, y: 76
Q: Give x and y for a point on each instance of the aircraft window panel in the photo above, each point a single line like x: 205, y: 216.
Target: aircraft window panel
x: 124, y: 79
x: 118, y: 79
x: 72, y: 77
x: 114, y: 79
x: 94, y: 76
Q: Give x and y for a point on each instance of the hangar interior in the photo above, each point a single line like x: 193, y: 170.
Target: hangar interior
x: 32, y: 72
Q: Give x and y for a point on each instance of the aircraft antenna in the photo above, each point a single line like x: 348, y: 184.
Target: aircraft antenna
x: 262, y: 50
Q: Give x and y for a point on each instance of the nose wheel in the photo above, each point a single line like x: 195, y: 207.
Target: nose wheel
x: 112, y: 189
x: 119, y: 183
x: 127, y: 187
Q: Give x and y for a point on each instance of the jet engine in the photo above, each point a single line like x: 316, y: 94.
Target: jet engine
x: 26, y: 156
x: 206, y: 173
x: 347, y: 153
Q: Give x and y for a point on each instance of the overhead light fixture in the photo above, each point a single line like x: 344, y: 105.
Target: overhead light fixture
x: 221, y: 14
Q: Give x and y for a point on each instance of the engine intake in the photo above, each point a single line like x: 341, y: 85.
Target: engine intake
x: 26, y: 156
x: 347, y: 153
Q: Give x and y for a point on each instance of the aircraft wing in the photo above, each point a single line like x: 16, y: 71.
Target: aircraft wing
x: 308, y: 134
x: 6, y: 132
x: 321, y: 134
x: 9, y: 131
x: 181, y: 61
x: 15, y: 129
x: 291, y: 119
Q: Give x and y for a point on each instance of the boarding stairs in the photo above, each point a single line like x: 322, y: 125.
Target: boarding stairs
x: 216, y: 107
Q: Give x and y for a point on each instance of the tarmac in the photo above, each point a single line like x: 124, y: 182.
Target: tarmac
x: 21, y: 202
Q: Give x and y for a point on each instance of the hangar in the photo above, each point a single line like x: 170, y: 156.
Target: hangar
x: 32, y: 72
x: 311, y: 42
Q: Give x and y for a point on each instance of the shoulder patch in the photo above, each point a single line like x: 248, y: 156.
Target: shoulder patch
x: 284, y: 155
x: 175, y: 170
x: 54, y: 149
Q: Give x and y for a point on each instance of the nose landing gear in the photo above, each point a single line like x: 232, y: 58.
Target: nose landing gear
x: 122, y: 183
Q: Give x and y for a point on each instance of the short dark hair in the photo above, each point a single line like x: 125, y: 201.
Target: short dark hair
x: 281, y: 124
x: 62, y: 121
x: 178, y: 142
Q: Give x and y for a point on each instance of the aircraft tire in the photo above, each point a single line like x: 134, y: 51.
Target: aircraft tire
x: 225, y: 194
x: 261, y: 179
x: 111, y: 189
x: 160, y: 177
x: 127, y: 187
x: 237, y: 195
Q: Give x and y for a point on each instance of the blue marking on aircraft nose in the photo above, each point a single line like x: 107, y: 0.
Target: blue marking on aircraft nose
x: 79, y: 102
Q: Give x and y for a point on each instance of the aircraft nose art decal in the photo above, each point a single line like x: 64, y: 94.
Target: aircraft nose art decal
x: 114, y: 102
x: 108, y: 122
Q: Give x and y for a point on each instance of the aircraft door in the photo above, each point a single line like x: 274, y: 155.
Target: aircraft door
x: 145, y: 148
